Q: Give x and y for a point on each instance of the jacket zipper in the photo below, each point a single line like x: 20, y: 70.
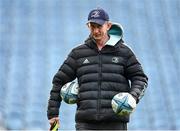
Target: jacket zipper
x: 99, y: 84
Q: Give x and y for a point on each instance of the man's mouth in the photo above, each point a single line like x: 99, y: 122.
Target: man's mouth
x: 97, y: 35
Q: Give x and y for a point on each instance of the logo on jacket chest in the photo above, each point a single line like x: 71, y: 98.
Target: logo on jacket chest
x: 86, y: 61
x: 115, y: 60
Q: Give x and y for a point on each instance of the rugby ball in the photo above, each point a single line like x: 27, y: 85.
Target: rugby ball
x: 123, y: 104
x: 69, y: 92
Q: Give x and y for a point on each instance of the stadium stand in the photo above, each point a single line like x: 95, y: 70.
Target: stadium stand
x: 37, y: 35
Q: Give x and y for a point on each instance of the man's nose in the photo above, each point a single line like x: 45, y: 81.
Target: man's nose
x: 96, y: 30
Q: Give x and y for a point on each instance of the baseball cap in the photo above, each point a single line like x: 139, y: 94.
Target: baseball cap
x: 98, y: 16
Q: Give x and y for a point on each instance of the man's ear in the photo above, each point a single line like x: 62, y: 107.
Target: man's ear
x: 88, y: 25
x: 109, y: 25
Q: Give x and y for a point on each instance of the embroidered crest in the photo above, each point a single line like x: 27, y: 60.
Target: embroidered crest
x: 115, y: 59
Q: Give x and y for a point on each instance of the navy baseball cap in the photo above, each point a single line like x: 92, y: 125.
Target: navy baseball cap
x: 98, y: 16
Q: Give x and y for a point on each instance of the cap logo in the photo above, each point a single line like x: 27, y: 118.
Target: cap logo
x: 95, y: 14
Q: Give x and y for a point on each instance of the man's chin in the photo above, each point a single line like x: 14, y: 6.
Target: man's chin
x: 97, y: 38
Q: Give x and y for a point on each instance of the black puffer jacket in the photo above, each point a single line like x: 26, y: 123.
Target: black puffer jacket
x: 101, y: 75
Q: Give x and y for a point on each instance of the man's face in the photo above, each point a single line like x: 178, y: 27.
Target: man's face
x: 99, y: 32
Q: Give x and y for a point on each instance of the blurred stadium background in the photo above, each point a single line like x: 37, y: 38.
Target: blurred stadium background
x: 37, y: 35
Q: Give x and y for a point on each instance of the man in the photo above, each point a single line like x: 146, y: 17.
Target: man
x: 103, y: 66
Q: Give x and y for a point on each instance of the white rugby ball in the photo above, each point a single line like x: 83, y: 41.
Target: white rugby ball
x: 123, y: 103
x: 69, y: 92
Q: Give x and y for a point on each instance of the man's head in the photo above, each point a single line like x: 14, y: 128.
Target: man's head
x: 98, y: 23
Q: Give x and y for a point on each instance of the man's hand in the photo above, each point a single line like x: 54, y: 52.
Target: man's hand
x: 53, y: 120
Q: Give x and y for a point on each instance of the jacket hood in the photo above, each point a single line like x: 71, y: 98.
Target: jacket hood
x: 116, y: 29
x: 115, y: 33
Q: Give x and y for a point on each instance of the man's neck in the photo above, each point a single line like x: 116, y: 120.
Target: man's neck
x: 101, y: 43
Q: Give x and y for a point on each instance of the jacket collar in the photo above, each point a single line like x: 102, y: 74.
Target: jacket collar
x: 112, y: 40
x: 90, y: 42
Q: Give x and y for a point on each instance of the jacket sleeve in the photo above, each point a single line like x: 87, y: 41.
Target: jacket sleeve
x: 65, y: 74
x: 135, y: 74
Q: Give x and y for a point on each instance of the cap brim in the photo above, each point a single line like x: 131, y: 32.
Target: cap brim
x: 97, y: 21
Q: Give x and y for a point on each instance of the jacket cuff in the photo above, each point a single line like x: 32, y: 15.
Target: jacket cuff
x: 52, y: 113
x: 135, y: 96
